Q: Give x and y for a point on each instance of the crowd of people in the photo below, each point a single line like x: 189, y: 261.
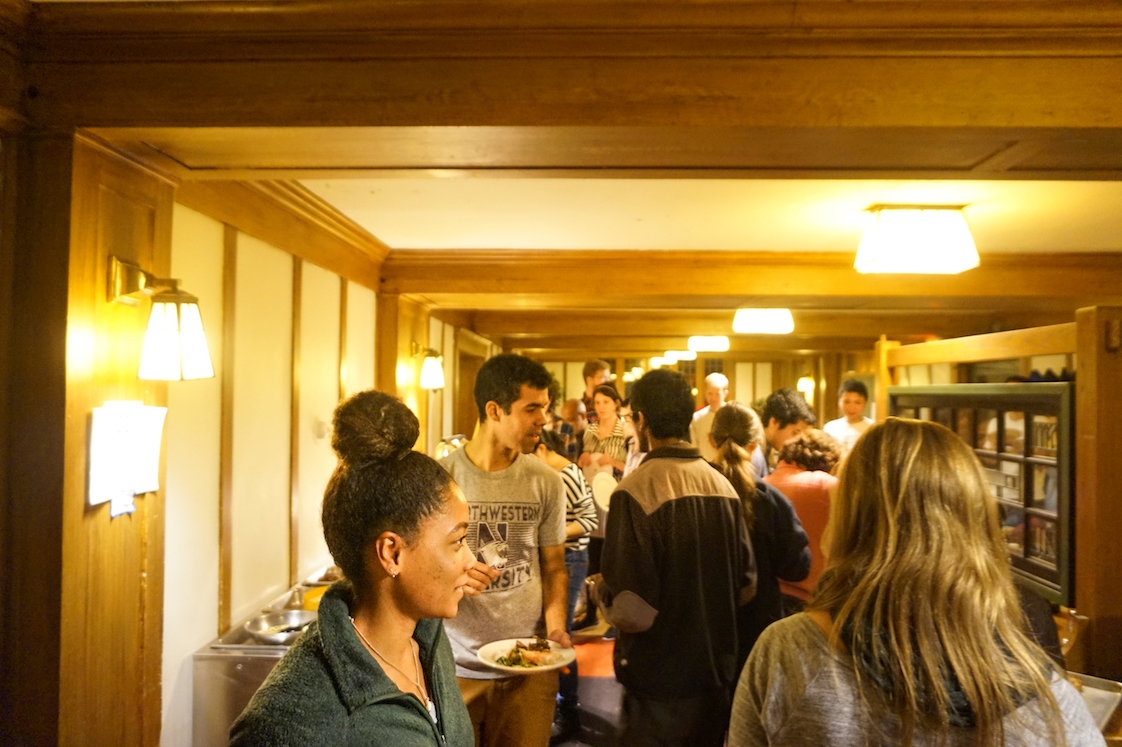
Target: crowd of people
x: 766, y: 582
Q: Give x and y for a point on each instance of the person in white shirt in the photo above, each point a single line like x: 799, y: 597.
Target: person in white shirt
x: 852, y: 398
x: 716, y: 390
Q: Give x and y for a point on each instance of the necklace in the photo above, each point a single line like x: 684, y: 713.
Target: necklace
x: 418, y: 680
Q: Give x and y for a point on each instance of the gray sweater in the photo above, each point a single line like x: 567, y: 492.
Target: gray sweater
x: 795, y: 692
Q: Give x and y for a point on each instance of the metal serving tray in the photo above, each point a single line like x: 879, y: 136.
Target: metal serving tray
x: 1101, y: 696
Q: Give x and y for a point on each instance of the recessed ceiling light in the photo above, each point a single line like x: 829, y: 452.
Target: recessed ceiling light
x: 763, y: 322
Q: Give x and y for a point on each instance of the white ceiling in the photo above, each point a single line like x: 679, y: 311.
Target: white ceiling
x: 715, y: 214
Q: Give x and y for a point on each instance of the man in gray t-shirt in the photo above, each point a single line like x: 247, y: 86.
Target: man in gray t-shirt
x: 516, y: 509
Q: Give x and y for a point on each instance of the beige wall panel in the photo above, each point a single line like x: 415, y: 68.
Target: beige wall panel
x: 574, y: 380
x: 319, y: 394
x: 262, y: 401
x: 763, y: 380
x: 436, y: 398
x: 745, y: 383
x: 919, y: 375
x: 1042, y: 363
x: 449, y: 393
x: 194, y: 424
x: 942, y: 373
x: 359, y: 375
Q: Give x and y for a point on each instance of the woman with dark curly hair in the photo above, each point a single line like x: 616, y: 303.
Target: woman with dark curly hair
x: 376, y: 667
x: 803, y: 475
x: 778, y: 539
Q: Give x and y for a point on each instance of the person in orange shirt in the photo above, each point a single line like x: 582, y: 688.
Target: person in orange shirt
x: 803, y: 475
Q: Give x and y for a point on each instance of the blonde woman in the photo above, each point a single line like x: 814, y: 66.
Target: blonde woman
x: 914, y: 634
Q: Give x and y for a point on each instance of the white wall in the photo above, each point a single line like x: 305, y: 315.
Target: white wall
x: 194, y: 427
x: 361, y: 305
x: 262, y: 415
x: 319, y: 394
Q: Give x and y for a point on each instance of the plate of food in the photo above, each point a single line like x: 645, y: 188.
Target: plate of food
x: 526, y: 655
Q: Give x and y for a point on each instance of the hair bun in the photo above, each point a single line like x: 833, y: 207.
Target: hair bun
x: 374, y: 426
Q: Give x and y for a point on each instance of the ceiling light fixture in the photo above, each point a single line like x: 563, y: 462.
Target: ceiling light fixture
x: 680, y: 355
x: 927, y: 239
x: 763, y: 322
x: 708, y: 344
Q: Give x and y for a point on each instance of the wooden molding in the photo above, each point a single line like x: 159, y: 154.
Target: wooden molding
x: 658, y: 345
x: 522, y: 328
x: 226, y: 452
x: 499, y: 25
x: 653, y: 275
x: 294, y: 426
x: 1098, y: 495
x: 1018, y: 343
x: 292, y: 219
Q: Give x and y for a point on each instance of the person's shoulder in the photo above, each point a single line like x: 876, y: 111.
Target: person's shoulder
x: 701, y: 413
x: 791, y: 641
x: 454, y: 459
x: 834, y: 424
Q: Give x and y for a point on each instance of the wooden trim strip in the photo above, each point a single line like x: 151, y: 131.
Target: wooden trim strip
x: 292, y: 220
x: 226, y: 451
x: 282, y: 20
x: 342, y: 339
x: 294, y: 426
x: 767, y: 274
x: 1018, y: 343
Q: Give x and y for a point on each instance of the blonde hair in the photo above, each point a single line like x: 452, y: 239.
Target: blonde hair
x: 919, y: 587
x: 735, y: 429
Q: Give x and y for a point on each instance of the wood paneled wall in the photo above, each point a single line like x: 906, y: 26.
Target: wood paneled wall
x: 83, y: 639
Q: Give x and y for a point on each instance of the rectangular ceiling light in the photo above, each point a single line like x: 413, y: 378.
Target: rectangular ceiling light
x: 926, y: 239
x: 763, y: 322
x: 701, y: 344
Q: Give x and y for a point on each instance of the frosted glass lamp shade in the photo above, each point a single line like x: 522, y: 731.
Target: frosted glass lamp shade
x: 432, y: 373
x: 917, y: 240
x: 175, y: 345
x: 708, y: 344
x: 763, y: 322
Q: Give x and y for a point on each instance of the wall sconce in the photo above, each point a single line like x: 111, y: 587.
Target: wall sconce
x: 175, y: 344
x: 763, y: 322
x: 927, y: 239
x: 805, y: 385
x: 432, y: 369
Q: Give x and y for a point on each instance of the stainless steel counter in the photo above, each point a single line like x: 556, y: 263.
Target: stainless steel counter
x: 228, y: 671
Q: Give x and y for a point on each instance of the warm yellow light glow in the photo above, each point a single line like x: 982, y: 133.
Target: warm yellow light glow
x: 432, y: 373
x: 680, y: 355
x: 916, y: 239
x: 805, y: 385
x: 637, y: 371
x: 175, y: 348
x: 658, y: 362
x: 701, y: 344
x: 763, y: 322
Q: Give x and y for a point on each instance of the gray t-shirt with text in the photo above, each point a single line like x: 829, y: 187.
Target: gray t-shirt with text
x: 512, y: 514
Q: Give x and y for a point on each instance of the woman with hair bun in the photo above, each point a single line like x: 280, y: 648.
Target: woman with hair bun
x: 376, y: 667
x: 914, y: 634
x: 778, y: 539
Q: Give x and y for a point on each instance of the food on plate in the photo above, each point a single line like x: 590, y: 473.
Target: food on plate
x: 332, y: 574
x: 285, y: 628
x: 537, y: 653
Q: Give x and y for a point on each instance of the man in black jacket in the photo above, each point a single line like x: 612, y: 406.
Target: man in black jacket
x: 677, y: 564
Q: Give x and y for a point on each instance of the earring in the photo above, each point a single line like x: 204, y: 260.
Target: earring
x: 393, y: 573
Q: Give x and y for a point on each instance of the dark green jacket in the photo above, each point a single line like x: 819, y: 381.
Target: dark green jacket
x: 328, y: 690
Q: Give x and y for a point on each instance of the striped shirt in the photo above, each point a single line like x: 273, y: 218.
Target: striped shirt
x: 578, y: 505
x: 613, y: 445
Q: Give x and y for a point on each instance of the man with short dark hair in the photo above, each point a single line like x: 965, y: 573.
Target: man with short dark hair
x: 596, y: 373
x: 516, y: 530
x: 853, y: 395
x: 677, y: 565
x: 786, y: 414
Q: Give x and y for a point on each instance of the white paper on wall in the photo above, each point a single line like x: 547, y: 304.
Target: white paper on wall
x: 125, y: 442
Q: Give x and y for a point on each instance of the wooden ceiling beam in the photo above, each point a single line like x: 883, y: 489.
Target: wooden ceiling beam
x: 737, y: 63
x: 744, y: 275
x: 648, y: 346
x: 525, y: 326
